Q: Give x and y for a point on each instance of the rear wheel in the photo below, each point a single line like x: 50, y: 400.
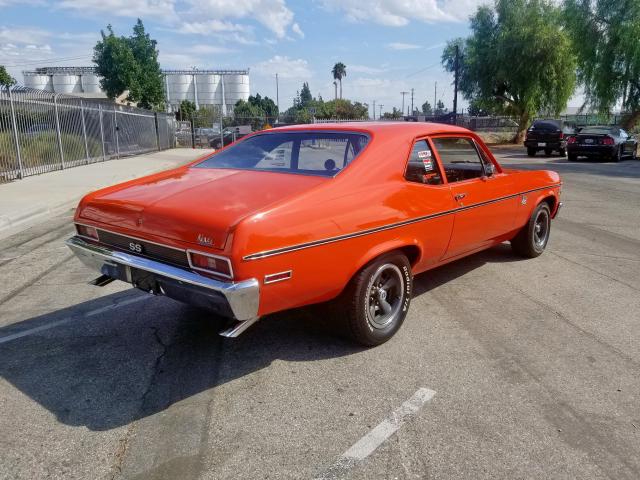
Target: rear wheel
x: 617, y: 156
x: 377, y: 299
x: 572, y: 157
x: 534, y: 236
x: 634, y: 153
x: 548, y: 152
x: 563, y: 152
x: 531, y: 152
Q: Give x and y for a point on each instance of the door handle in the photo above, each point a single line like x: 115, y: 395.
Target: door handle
x: 460, y: 196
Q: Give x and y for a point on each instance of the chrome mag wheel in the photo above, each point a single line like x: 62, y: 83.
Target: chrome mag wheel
x: 384, y: 295
x: 541, y: 228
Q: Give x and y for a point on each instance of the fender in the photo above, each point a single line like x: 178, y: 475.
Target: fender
x: 381, y: 248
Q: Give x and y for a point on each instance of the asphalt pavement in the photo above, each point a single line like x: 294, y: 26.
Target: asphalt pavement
x: 504, y: 369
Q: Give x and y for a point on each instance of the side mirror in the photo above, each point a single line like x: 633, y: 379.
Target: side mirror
x: 489, y: 169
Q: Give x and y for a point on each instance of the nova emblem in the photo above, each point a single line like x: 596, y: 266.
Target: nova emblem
x: 204, y: 240
x: 135, y: 247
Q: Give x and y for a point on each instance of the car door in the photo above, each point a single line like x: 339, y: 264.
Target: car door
x: 485, y: 209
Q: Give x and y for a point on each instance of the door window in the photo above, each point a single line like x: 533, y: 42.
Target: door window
x: 459, y: 157
x: 422, y: 166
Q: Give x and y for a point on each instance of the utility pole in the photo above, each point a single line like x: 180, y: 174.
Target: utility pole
x: 277, y: 96
x: 435, y: 97
x: 455, y: 87
x: 412, y: 101
x: 380, y: 106
x: 403, y: 94
x: 374, y: 109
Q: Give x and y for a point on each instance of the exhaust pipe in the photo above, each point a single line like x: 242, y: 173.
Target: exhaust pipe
x: 238, y: 327
x: 102, y: 280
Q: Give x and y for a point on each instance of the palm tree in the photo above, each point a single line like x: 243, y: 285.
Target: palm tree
x: 339, y: 71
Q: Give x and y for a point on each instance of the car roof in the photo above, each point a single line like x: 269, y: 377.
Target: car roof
x: 413, y: 129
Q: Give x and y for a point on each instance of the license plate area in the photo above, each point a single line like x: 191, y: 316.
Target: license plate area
x: 542, y: 144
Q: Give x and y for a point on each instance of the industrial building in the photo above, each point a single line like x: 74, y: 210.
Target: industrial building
x: 202, y: 87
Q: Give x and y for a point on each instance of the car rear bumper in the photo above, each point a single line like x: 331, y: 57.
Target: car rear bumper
x: 239, y: 300
x: 549, y: 144
x: 593, y: 151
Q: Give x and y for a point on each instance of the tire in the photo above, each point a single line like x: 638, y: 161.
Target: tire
x: 572, y: 157
x: 634, y: 154
x: 362, y: 302
x: 563, y: 152
x: 617, y: 157
x: 534, y: 236
x: 531, y: 152
x: 548, y: 152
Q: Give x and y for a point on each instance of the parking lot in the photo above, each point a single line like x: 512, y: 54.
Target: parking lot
x: 531, y: 367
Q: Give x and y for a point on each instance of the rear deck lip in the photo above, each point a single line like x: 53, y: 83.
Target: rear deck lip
x: 243, y: 297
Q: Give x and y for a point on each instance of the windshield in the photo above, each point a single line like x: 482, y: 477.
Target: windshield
x: 309, y: 153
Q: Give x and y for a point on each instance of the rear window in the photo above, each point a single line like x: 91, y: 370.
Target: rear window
x: 597, y: 130
x: 546, y: 125
x: 309, y: 153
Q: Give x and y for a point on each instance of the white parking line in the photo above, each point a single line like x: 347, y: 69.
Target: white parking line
x: 91, y: 313
x: 376, y: 437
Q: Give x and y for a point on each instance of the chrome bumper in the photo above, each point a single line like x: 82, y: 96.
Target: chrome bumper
x: 236, y: 300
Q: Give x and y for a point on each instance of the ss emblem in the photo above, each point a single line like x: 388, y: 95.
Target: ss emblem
x: 135, y: 247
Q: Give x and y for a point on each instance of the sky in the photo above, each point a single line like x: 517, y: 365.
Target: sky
x: 388, y: 46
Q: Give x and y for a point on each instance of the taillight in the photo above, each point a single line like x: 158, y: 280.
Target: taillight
x: 561, y: 135
x: 87, y: 231
x: 205, y: 262
x: 572, y: 140
x: 607, y: 141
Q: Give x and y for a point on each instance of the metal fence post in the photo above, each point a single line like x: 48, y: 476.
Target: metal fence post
x: 15, y: 134
x: 104, y: 153
x: 84, y: 131
x: 55, y: 107
x: 155, y: 114
x: 115, y: 130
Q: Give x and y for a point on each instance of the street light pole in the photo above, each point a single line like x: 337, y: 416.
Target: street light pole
x: 374, y: 109
x: 277, y: 96
x: 412, y: 101
x: 380, y: 106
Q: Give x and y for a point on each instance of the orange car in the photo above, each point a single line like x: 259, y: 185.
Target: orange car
x: 308, y: 214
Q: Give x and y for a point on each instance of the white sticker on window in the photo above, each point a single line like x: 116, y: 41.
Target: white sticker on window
x: 424, y: 154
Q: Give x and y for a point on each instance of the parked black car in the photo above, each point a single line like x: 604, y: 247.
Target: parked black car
x: 607, y: 142
x: 229, y: 135
x: 548, y: 135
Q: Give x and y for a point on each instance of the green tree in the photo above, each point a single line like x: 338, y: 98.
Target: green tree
x: 440, y: 108
x: 6, y: 80
x: 393, y: 115
x: 605, y: 37
x: 518, y: 60
x: 305, y: 95
x: 339, y: 71
x: 186, y: 110
x: 426, y: 108
x: 130, y: 64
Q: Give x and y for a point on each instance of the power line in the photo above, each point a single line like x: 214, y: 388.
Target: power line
x: 61, y: 59
x: 422, y: 70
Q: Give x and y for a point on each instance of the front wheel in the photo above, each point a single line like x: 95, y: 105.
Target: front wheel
x: 377, y: 299
x: 534, y: 236
x: 531, y: 152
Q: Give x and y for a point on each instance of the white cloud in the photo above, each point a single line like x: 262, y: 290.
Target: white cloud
x: 402, y: 46
x: 397, y: 13
x: 273, y: 14
x: 123, y: 8
x: 285, y: 67
x: 295, y: 28
x: 211, y: 26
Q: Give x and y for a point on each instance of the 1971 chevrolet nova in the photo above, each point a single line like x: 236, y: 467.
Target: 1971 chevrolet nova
x: 307, y: 214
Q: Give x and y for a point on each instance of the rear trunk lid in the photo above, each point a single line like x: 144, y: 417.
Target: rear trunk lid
x: 194, y: 205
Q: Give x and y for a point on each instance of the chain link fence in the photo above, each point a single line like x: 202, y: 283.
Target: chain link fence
x: 41, y: 132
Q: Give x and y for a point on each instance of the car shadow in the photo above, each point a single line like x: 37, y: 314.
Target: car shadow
x: 103, y: 367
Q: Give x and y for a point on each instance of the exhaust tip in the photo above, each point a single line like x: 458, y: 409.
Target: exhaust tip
x: 237, y: 327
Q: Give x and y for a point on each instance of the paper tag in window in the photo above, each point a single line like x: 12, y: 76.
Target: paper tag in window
x: 422, y: 154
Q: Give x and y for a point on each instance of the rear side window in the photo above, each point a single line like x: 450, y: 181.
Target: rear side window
x: 546, y: 125
x: 422, y: 166
x: 309, y: 153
